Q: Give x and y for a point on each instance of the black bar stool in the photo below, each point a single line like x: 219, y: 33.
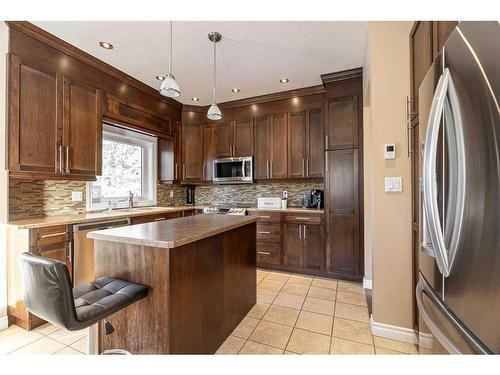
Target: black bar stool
x: 48, y: 294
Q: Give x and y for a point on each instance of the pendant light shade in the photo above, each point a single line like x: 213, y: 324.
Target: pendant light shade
x: 214, y: 112
x: 169, y: 86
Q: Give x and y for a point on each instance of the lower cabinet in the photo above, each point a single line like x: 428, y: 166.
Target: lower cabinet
x: 304, y: 245
x: 155, y: 217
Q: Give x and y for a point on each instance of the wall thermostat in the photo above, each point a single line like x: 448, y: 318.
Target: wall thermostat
x: 389, y: 151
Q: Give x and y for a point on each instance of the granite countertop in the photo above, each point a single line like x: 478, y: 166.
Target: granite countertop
x: 173, y: 233
x: 47, y: 221
x: 290, y: 210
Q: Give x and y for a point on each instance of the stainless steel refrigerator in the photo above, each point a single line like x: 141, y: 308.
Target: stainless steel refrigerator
x: 458, y: 292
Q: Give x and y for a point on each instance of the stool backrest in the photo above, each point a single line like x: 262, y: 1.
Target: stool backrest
x: 47, y: 290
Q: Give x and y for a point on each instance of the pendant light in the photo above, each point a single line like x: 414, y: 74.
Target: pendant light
x: 169, y: 86
x: 214, y: 112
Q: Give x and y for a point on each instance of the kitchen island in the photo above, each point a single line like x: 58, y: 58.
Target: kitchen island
x: 202, y: 274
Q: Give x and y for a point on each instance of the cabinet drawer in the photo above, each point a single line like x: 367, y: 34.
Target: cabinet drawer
x: 156, y: 217
x: 267, y: 216
x: 269, y: 232
x: 268, y: 254
x: 304, y: 218
x: 45, y: 237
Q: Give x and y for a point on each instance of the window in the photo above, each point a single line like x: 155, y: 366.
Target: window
x: 128, y: 164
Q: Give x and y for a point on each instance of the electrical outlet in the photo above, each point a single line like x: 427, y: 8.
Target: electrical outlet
x: 285, y: 194
x: 171, y: 193
x: 76, y: 196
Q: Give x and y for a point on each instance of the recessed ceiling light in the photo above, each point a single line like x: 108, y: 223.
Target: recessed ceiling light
x: 284, y: 80
x: 195, y: 99
x: 235, y: 90
x: 160, y: 77
x: 106, y: 45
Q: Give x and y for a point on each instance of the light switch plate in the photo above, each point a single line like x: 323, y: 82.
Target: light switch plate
x: 76, y: 196
x: 393, y: 184
x: 171, y: 193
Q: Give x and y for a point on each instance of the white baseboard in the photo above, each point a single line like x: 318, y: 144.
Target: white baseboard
x: 367, y: 283
x: 4, y: 322
x: 393, y: 332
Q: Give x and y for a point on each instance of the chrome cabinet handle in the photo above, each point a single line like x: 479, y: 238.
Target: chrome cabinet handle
x: 53, y: 235
x: 301, y: 218
x: 67, y: 159
x: 264, y: 252
x: 300, y: 232
x: 267, y: 169
x: 271, y: 168
x: 303, y: 168
x: 175, y: 172
x: 159, y: 219
x: 262, y: 232
x: 327, y: 143
x: 304, y: 229
x: 184, y: 171
x: 60, y: 159
x: 307, y: 167
x: 445, y: 101
x: 70, y: 252
x: 326, y: 162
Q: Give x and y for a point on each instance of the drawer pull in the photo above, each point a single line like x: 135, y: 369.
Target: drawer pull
x: 264, y: 253
x: 262, y: 232
x: 159, y: 218
x: 301, y: 218
x: 265, y: 217
x: 53, y: 235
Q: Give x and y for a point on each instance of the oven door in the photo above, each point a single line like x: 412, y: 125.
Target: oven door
x: 233, y: 170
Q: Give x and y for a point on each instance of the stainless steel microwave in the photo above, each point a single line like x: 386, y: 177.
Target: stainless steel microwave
x: 233, y: 170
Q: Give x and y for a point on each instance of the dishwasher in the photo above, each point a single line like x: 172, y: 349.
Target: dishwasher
x: 83, y: 248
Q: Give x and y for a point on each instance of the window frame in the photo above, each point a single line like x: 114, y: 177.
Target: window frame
x: 149, y: 144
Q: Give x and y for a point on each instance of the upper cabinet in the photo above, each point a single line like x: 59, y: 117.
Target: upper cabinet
x: 234, y: 138
x: 278, y: 164
x: 192, y: 146
x: 262, y: 155
x: 55, y: 124
x: 208, y: 151
x: 342, y: 122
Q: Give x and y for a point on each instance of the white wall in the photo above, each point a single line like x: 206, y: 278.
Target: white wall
x: 3, y: 175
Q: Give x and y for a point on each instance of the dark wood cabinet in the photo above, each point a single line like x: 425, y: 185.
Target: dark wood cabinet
x: 342, y: 122
x: 278, y: 164
x: 154, y: 217
x: 234, y: 138
x: 315, y: 161
x: 262, y: 148
x: 177, y: 151
x: 192, y: 147
x: 293, y: 245
x: 224, y: 139
x: 166, y: 159
x: 208, y: 151
x: 82, y: 128
x: 314, y: 247
x: 440, y: 32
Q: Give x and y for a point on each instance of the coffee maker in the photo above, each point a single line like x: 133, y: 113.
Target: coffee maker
x: 190, y: 195
x: 317, y: 199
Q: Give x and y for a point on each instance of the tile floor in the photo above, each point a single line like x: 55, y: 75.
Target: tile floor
x: 294, y: 314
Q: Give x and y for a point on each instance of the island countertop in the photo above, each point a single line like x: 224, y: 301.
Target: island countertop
x: 173, y: 233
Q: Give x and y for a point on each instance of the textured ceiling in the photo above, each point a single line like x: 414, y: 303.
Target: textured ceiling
x: 252, y: 56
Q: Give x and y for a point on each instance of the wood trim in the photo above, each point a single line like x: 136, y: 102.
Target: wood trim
x: 341, y: 76
x: 25, y: 174
x: 59, y: 44
x: 13, y: 82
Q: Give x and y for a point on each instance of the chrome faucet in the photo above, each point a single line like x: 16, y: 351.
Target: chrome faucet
x: 130, y: 200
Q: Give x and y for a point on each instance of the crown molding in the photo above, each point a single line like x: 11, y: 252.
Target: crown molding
x: 341, y: 76
x: 59, y: 44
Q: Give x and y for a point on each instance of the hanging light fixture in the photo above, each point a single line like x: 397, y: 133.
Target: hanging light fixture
x: 214, y: 112
x: 169, y: 86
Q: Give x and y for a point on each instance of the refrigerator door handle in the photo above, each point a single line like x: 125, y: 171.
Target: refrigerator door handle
x: 422, y: 288
x: 445, y: 100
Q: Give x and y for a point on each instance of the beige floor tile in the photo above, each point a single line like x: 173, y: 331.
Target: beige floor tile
x: 352, y: 312
x: 315, y: 322
x: 351, y: 298
x: 232, y: 345
x: 300, y: 279
x: 352, y: 287
x: 324, y: 283
x: 277, y: 275
x: 289, y: 300
x: 266, y: 295
x: 292, y: 288
x: 11, y: 330
x: 399, y: 346
x: 262, y: 272
x: 352, y: 330
x: 288, y: 352
x: 47, y: 329
x: 68, y: 337
x: 282, y: 315
x: 259, y: 279
x: 271, y: 284
x: 258, y: 310
x: 82, y: 345
x: 320, y: 306
x: 245, y: 327
x: 322, y: 293
x: 251, y: 347
x: 272, y: 334
x: 43, y: 346
x: 69, y: 351
x: 17, y: 337
x: 341, y: 346
x: 383, y: 351
x: 305, y: 342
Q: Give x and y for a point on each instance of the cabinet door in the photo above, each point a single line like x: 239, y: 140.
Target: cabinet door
x: 293, y: 245
x: 314, y: 247
x: 342, y: 129
x: 262, y: 148
x: 165, y: 159
x: 297, y: 145
x: 58, y: 252
x: 208, y: 151
x: 420, y: 57
x: 441, y: 30
x: 243, y: 143
x: 315, y: 147
x: 278, y: 167
x: 34, y: 102
x: 224, y: 139
x: 177, y: 150
x: 82, y: 128
x: 192, y: 142
x: 343, y: 253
